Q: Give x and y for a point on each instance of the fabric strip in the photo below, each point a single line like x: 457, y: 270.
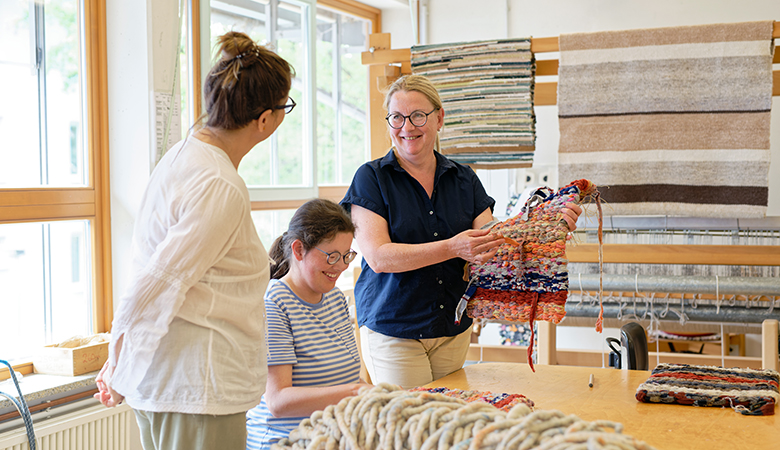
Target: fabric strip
x: 684, y: 173
x: 745, y: 31
x: 694, y: 131
x: 665, y: 52
x: 729, y: 195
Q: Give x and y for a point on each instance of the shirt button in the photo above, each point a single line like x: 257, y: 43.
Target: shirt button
x: 430, y: 212
x: 435, y: 234
x: 440, y: 282
x: 441, y: 306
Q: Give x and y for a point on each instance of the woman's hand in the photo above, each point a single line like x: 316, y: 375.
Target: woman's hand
x: 571, y: 212
x: 106, y: 395
x: 476, y: 246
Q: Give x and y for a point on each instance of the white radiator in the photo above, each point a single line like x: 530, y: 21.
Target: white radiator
x: 92, y: 428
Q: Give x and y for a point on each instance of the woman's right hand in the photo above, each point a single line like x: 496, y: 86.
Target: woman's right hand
x: 106, y: 395
x: 476, y: 246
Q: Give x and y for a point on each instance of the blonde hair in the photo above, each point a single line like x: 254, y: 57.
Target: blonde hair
x: 414, y: 83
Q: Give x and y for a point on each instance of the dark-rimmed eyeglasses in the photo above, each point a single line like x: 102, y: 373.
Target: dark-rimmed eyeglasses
x: 334, y: 257
x: 288, y: 107
x: 416, y: 118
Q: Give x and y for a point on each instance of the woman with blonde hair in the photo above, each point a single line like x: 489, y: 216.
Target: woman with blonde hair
x: 418, y: 217
x: 188, y: 348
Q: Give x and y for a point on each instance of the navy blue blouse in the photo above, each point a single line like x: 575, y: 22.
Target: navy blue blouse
x: 419, y: 304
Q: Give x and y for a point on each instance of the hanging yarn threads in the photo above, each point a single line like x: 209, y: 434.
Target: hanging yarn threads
x: 388, y: 417
x: 527, y: 279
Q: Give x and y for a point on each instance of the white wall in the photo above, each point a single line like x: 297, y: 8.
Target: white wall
x: 466, y: 20
x: 141, y: 39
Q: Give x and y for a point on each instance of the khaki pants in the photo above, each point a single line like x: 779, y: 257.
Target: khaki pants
x: 176, y: 431
x: 412, y: 362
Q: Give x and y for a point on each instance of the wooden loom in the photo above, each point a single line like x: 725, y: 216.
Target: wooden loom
x: 387, y: 64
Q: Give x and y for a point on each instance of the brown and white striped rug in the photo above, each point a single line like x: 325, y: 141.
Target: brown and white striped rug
x: 669, y: 121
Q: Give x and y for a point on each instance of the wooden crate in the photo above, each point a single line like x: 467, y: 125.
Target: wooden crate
x: 71, y: 361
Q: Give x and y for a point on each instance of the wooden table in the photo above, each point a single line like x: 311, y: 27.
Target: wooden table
x: 665, y: 427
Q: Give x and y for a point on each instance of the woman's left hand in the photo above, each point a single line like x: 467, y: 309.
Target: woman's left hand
x: 571, y: 213
x: 106, y: 395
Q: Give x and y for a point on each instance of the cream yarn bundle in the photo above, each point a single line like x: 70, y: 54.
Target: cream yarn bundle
x: 390, y: 418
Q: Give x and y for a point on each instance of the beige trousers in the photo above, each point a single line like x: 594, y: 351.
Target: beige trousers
x: 176, y: 431
x: 411, y: 362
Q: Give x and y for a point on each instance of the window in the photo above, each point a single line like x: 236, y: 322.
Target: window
x: 323, y: 42
x: 282, y: 160
x: 329, y: 36
x: 54, y: 252
x: 342, y: 96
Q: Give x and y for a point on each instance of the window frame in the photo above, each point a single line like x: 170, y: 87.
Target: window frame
x: 279, y: 198
x: 91, y: 203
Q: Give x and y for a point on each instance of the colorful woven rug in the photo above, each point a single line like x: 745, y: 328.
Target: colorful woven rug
x: 750, y: 392
x: 486, y: 89
x: 504, y: 402
x: 527, y: 279
x: 669, y: 121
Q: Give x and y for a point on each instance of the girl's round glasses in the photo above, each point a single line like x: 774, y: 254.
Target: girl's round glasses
x: 334, y: 257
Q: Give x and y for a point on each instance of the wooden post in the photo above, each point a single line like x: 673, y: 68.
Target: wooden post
x: 546, y: 343
x: 769, y: 344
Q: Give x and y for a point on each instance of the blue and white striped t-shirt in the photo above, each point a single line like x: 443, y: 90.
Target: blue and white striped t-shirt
x: 318, y: 340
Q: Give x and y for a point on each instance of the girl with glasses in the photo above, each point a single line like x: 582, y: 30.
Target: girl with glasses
x: 313, y: 359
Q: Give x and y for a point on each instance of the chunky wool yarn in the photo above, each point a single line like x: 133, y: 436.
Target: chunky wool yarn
x: 388, y: 417
x: 751, y: 392
x: 527, y: 279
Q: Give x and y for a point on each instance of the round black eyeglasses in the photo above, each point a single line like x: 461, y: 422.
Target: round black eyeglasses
x: 288, y: 107
x: 334, y: 257
x: 416, y: 118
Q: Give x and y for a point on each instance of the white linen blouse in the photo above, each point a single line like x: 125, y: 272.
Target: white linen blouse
x: 192, y: 321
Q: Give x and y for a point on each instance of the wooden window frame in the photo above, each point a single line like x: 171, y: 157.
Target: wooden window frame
x: 351, y: 7
x: 91, y: 203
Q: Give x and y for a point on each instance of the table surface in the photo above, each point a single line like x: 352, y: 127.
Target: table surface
x: 665, y: 427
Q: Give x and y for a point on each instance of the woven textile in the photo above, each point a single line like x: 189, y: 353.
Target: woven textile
x: 749, y: 391
x: 669, y: 121
x: 504, y: 402
x: 486, y: 89
x: 527, y: 279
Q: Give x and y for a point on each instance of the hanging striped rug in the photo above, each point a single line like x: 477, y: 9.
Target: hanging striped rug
x: 669, y: 121
x: 750, y: 392
x: 486, y: 89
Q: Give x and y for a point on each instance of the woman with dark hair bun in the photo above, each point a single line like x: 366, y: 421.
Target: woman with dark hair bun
x: 188, y: 348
